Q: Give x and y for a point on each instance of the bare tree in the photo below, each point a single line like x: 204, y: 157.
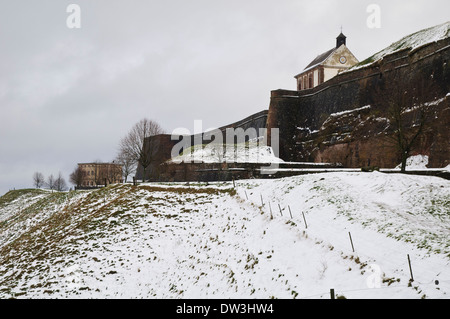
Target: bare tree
x: 109, y: 173
x: 128, y: 164
x: 76, y: 178
x: 99, y: 177
x: 50, y: 182
x: 115, y: 173
x: 38, y: 179
x: 136, y: 144
x: 408, y: 118
x: 60, y: 183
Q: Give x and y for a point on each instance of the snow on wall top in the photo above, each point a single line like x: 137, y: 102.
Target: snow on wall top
x: 212, y: 153
x: 412, y: 41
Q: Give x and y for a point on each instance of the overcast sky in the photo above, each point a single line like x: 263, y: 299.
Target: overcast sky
x: 69, y: 95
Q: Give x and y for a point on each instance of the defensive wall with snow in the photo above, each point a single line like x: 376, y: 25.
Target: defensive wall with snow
x: 163, y: 144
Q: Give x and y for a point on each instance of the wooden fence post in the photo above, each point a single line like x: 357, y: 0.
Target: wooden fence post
x: 332, y: 293
x: 410, y: 269
x: 271, y: 215
x: 304, y: 219
x: 279, y: 207
x: 290, y: 213
x: 351, y: 241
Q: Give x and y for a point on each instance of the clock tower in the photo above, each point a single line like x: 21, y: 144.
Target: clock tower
x: 340, y: 40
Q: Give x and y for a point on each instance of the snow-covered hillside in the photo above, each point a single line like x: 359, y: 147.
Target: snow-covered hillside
x: 412, y: 41
x: 216, y: 241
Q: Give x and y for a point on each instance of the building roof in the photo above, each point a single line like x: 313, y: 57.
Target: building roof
x: 320, y: 58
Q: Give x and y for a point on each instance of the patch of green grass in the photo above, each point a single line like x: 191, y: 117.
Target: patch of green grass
x: 11, y: 196
x: 366, y: 61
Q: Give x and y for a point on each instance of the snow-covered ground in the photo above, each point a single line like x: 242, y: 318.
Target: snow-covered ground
x: 214, y: 241
x: 252, y: 152
x: 417, y: 162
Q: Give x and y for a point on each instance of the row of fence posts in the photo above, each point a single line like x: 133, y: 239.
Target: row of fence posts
x: 332, y: 292
x: 281, y: 211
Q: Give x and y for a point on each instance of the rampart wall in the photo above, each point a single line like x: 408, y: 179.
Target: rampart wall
x: 163, y: 144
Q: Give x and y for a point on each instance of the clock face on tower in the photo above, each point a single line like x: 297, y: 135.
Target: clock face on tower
x: 343, y: 59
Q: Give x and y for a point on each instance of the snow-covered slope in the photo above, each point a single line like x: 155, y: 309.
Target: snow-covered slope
x: 241, y: 153
x: 214, y: 241
x: 412, y: 41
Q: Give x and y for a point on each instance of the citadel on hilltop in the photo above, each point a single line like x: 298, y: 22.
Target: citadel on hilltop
x: 339, y: 114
